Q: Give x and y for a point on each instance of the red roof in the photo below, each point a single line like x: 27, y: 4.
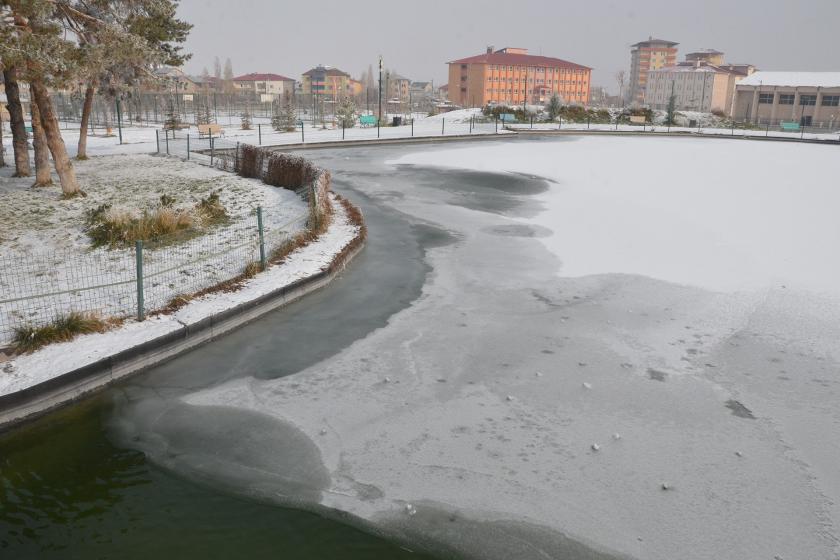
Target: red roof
x: 519, y: 59
x: 256, y: 77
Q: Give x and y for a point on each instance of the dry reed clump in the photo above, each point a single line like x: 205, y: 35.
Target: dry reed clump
x: 112, y: 227
x: 62, y: 329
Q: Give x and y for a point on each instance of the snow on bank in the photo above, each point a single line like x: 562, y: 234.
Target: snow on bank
x: 719, y: 215
x: 57, y: 359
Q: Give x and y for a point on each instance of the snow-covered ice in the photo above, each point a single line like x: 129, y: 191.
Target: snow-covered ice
x: 713, y: 370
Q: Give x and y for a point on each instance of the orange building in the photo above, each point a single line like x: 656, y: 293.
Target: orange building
x: 645, y: 56
x: 512, y: 76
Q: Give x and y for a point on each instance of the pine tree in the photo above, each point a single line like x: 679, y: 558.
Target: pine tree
x: 346, y: 113
x: 276, y: 115
x: 246, y: 119
x: 553, y: 108
x: 288, y: 116
x: 173, y: 119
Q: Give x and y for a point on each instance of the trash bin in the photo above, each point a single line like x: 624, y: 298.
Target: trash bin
x: 397, y: 121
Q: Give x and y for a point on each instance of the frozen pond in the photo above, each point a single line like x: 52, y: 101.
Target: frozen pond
x: 519, y: 367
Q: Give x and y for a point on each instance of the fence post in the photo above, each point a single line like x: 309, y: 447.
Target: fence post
x: 138, y: 259
x: 532, y: 121
x: 212, y: 150
x: 377, y: 128
x: 342, y: 129
x: 733, y: 127
x: 157, y: 139
x: 167, y: 142
x: 767, y: 132
x: 587, y: 123
x: 412, y: 127
x: 259, y: 134
x: 302, y: 138
x: 442, y: 126
x: 263, y: 262
x: 236, y: 158
x: 497, y: 124
x: 560, y: 123
x: 188, y: 147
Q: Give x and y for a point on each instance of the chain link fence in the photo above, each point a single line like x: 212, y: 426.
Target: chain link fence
x: 37, y: 289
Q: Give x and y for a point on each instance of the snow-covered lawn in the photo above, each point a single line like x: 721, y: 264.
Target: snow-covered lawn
x: 45, y: 250
x: 57, y: 359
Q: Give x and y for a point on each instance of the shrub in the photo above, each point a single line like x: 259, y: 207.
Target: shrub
x: 107, y: 226
x: 64, y: 328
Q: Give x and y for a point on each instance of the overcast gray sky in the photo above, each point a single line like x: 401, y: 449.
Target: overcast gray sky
x: 418, y: 38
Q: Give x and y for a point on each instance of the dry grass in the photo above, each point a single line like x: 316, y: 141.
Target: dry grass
x: 62, y: 329
x: 107, y: 226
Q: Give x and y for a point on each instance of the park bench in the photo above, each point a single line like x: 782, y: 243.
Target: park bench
x: 367, y: 120
x: 210, y: 130
x: 789, y: 126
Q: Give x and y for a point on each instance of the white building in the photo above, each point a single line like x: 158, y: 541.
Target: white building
x: 696, y: 86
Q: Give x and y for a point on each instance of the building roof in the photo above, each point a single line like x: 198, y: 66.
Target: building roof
x: 518, y: 59
x: 793, y: 79
x: 419, y: 84
x: 652, y: 41
x: 328, y: 70
x: 704, y: 51
x: 691, y: 67
x: 257, y: 77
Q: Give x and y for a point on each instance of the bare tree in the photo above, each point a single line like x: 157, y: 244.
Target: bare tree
x: 620, y: 77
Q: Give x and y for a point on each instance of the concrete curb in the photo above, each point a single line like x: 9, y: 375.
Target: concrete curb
x: 575, y: 132
x: 34, y: 401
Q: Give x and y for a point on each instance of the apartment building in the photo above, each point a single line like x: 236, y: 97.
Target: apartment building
x: 326, y: 81
x: 646, y: 56
x: 704, y: 82
x: 511, y: 76
x: 809, y: 98
x: 257, y: 85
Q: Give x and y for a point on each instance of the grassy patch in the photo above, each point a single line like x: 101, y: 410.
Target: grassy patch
x: 64, y: 328
x: 107, y: 226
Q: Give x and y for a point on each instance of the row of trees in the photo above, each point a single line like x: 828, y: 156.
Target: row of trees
x: 106, y: 45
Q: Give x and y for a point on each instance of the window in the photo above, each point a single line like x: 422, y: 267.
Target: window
x: 786, y: 98
x: 831, y: 100
x: 765, y: 98
x: 807, y: 99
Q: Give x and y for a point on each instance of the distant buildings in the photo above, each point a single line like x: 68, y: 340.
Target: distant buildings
x: 258, y: 85
x: 398, y: 87
x: 702, y: 83
x: 512, y: 76
x: 645, y: 56
x: 807, y: 98
x: 326, y: 81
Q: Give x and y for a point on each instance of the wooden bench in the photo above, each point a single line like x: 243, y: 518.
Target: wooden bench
x: 210, y: 130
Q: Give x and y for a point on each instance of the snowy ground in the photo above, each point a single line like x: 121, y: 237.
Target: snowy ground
x: 57, y: 359
x: 44, y: 249
x: 643, y: 358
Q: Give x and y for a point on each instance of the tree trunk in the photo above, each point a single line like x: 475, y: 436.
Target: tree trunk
x: 83, y: 131
x: 19, y: 140
x: 43, y: 176
x: 2, y: 150
x: 49, y: 121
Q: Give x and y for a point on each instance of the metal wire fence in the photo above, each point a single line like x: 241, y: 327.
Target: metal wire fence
x: 132, y: 281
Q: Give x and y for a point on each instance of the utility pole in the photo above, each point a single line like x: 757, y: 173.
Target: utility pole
x: 379, y: 117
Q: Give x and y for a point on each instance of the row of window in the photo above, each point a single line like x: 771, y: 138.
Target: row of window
x: 531, y: 92
x: 805, y: 100
x: 532, y: 80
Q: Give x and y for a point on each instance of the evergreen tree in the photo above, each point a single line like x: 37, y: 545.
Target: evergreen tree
x: 173, y: 118
x: 346, y: 113
x: 288, y: 115
x: 245, y: 117
x: 553, y: 108
x: 276, y: 115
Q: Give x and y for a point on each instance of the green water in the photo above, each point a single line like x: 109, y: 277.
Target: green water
x: 66, y: 492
